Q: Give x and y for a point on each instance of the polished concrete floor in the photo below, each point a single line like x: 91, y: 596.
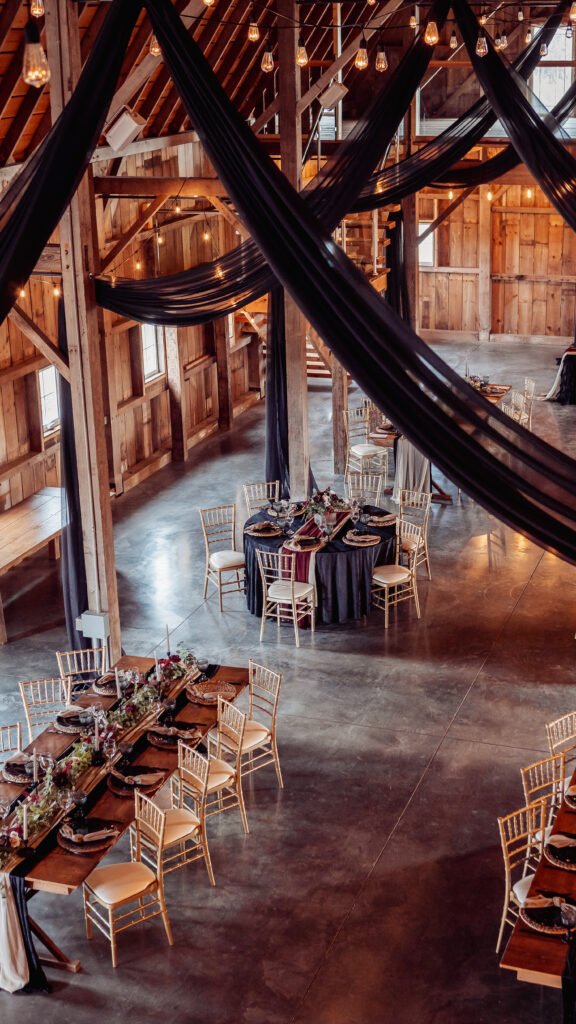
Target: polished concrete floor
x: 369, y: 889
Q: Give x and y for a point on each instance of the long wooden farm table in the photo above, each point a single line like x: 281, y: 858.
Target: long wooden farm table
x: 25, y: 529
x: 535, y: 956
x: 54, y: 870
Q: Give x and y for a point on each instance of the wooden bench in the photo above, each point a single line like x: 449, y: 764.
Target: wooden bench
x: 25, y: 529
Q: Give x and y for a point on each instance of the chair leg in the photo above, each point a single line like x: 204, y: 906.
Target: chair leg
x: 220, y: 590
x: 206, y: 584
x: 241, y: 805
x: 277, y: 765
x: 386, y: 608
x: 417, y: 602
x: 312, y: 616
x: 208, y: 859
x: 87, y: 920
x: 295, y: 619
x: 112, y: 938
x: 165, y: 918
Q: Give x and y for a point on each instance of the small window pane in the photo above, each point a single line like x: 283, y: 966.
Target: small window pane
x: 48, y: 382
x: 152, y: 350
x: 426, y: 248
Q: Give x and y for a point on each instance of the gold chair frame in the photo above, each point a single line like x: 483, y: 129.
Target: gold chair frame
x: 415, y: 508
x: 149, y: 890
x: 259, y: 495
x: 259, y: 747
x: 283, y: 597
x: 219, y: 528
x: 91, y: 662
x: 375, y: 458
x: 394, y: 583
x: 49, y: 696
x: 562, y: 735
x: 227, y: 794
x: 544, y: 780
x: 522, y: 841
x: 529, y: 392
x: 190, y: 780
x: 10, y: 741
x: 367, y: 485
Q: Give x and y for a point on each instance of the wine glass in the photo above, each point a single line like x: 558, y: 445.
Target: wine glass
x: 125, y: 749
x: 355, y: 512
x: 4, y: 808
x: 109, y: 747
x: 65, y: 798
x: 79, y: 798
x: 203, y: 664
x: 46, y: 762
x: 170, y: 708
x: 289, y: 532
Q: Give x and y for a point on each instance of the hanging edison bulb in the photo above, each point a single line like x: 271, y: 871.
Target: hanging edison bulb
x: 450, y: 194
x: 37, y: 8
x: 35, y: 69
x: 371, y: 2
x: 209, y: 3
x: 206, y: 235
x: 489, y: 195
x: 483, y: 17
x: 253, y: 32
x: 572, y: 14
x: 528, y: 36
x: 481, y: 45
x: 529, y: 193
x: 381, y: 63
x: 504, y: 41
x: 520, y: 14
x: 138, y: 265
x: 543, y: 50
x: 267, y: 60
x: 453, y: 40
x: 413, y: 23
x: 160, y: 239
x: 56, y: 291
x: 219, y: 272
x: 431, y: 33
x: 361, y: 60
x: 301, y: 55
x: 155, y: 49
x: 22, y: 293
x: 177, y: 208
x: 498, y: 42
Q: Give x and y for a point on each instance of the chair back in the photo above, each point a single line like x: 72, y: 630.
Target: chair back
x: 230, y: 729
x: 364, y: 485
x: 522, y: 837
x: 264, y: 687
x: 193, y: 769
x: 544, y: 780
x: 415, y: 507
x: 150, y: 822
x: 43, y: 699
x: 374, y: 414
x: 10, y: 741
x: 92, y: 661
x: 519, y: 403
x: 259, y: 495
x: 562, y: 734
x: 276, y: 565
x: 414, y: 534
x: 529, y: 388
x: 357, y: 425
x: 219, y: 527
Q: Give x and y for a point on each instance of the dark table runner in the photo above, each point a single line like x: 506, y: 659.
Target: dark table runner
x: 343, y: 573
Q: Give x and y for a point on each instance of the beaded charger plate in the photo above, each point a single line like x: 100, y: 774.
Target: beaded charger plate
x: 270, y: 531
x: 105, y: 686
x: 18, y: 774
x: 361, y: 540
x: 304, y: 545
x: 561, y: 857
x: 126, y: 788
x: 169, y: 741
x: 70, y: 725
x: 80, y: 843
x: 547, y: 920
x: 208, y: 692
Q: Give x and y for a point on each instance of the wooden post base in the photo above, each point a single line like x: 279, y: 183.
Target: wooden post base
x: 58, y: 959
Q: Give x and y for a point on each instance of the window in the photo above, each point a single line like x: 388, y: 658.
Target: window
x: 548, y: 83
x: 153, y: 358
x: 48, y: 382
x: 426, y: 248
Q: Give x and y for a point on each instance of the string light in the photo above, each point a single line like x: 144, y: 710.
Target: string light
x: 431, y: 33
x: 371, y: 2
x: 219, y: 272
x: 177, y: 208
x: 22, y: 293
x: 453, y: 40
x: 528, y: 36
x: 206, y: 235
x: 569, y: 32
x: 35, y: 69
x: 481, y: 45
x: 138, y: 265
x: 155, y: 48
x: 543, y: 50
x: 489, y: 195
x: 483, y: 17
x: 361, y: 60
x: 450, y: 194
x: 267, y: 59
x: 413, y: 22
x: 56, y: 291
x: 529, y: 193
x: 301, y: 55
x: 504, y: 41
x: 160, y: 239
x: 209, y: 3
x: 253, y: 32
x: 572, y: 14
x: 381, y: 63
x: 520, y: 14
x: 37, y: 8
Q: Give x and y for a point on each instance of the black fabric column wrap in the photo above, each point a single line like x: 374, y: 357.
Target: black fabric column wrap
x: 277, y: 464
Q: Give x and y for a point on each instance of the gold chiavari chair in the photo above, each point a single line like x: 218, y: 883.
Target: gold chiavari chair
x: 562, y: 735
x: 415, y: 508
x: 529, y: 392
x: 10, y: 741
x: 259, y: 747
x: 362, y: 455
x: 185, y: 838
x: 364, y: 485
x: 545, y: 780
x: 43, y: 699
x: 225, y: 567
x: 82, y: 666
x: 109, y: 891
x: 260, y: 495
x: 522, y: 839
x: 394, y: 583
x: 284, y: 597
x: 224, y: 786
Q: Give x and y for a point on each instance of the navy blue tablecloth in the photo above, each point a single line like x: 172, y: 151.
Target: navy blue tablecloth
x: 343, y: 573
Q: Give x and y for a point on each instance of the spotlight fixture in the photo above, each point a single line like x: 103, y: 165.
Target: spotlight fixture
x: 267, y: 59
x: 381, y: 63
x: 481, y: 45
x: 453, y: 40
x: 35, y: 69
x: 361, y: 60
x: 37, y: 8
x: 253, y: 32
x: 431, y: 33
x: 155, y: 49
x: 301, y: 55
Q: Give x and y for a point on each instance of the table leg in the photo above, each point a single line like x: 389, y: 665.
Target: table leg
x: 54, y: 548
x: 58, y: 959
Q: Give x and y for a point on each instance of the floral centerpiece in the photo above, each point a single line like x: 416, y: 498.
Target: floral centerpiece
x: 323, y: 503
x: 474, y: 380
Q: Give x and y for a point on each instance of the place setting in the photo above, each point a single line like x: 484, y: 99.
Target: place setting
x: 23, y: 768
x: 73, y: 719
x: 560, y: 850
x: 550, y: 913
x: 84, y: 836
x: 362, y: 537
x: 167, y: 732
x: 123, y: 777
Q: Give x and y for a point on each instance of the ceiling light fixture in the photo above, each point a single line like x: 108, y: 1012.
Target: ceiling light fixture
x: 301, y: 55
x: 35, y: 69
x: 361, y: 60
x: 381, y: 63
x: 267, y: 59
x: 37, y: 8
x: 431, y: 33
x: 253, y: 32
x: 453, y: 40
x: 481, y: 45
x: 155, y: 49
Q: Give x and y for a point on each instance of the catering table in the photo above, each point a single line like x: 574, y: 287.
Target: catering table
x: 343, y: 574
x: 51, y: 868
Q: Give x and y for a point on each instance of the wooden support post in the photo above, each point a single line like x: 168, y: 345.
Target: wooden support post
x: 291, y: 159
x: 339, y: 405
x: 410, y: 218
x: 84, y: 326
x: 179, y: 415
x: 223, y: 331
x: 484, y: 266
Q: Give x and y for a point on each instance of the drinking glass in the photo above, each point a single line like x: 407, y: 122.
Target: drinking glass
x: 65, y: 798
x: 355, y: 512
x: 109, y: 747
x: 203, y: 664
x: 170, y: 708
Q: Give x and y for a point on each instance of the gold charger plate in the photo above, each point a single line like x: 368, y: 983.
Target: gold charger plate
x: 209, y: 691
x: 273, y: 531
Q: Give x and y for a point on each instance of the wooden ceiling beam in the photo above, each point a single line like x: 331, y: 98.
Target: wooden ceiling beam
x: 110, y: 258
x: 166, y: 111
x: 146, y: 187
x: 41, y: 341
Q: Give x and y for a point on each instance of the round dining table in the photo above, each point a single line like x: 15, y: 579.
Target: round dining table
x: 343, y: 574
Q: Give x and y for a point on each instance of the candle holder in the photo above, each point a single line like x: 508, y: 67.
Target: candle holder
x: 125, y: 749
x: 98, y: 757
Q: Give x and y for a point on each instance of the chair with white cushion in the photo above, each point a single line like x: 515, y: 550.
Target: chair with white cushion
x: 362, y: 455
x: 225, y: 567
x: 415, y: 508
x: 10, y: 741
x: 43, y: 699
x: 224, y: 786
x: 394, y: 583
x: 119, y: 896
x: 184, y: 837
x: 283, y: 596
x: 545, y: 780
x: 522, y: 839
x: 260, y: 495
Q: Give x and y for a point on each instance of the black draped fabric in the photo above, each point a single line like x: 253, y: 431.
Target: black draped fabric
x: 213, y: 289
x: 569, y: 985
x: 432, y: 162
x: 72, y: 563
x: 533, y: 137
x: 37, y: 981
x: 32, y: 206
x: 277, y: 464
x: 396, y: 286
x: 520, y: 478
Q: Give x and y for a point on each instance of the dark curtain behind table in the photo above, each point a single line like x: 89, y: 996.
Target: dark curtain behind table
x: 32, y: 206
x: 37, y: 981
x: 509, y: 471
x: 72, y: 564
